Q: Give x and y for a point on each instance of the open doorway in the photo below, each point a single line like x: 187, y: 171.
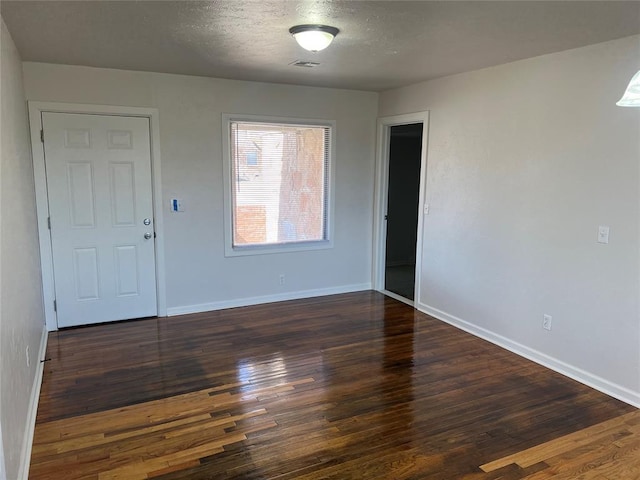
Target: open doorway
x: 403, y: 195
x: 400, y: 199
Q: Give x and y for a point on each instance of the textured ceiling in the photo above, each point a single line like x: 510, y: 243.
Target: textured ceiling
x: 381, y: 45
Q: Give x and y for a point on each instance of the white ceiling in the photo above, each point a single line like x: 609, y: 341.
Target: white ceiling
x: 381, y: 44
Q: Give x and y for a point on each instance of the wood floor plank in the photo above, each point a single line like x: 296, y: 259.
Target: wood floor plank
x: 339, y: 387
x: 560, y: 445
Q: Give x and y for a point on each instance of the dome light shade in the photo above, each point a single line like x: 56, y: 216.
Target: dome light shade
x: 631, y: 97
x: 313, y: 37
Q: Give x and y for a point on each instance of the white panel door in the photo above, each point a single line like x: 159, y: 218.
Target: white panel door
x: 100, y: 206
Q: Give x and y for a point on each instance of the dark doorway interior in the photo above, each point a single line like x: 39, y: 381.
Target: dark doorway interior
x: 402, y: 209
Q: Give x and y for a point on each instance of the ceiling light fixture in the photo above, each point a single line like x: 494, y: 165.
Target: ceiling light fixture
x: 313, y: 37
x: 631, y: 97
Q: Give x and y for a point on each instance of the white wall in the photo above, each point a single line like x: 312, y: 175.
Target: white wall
x: 525, y: 160
x: 199, y: 276
x: 21, y: 310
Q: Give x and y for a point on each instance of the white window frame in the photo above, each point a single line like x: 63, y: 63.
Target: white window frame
x: 229, y: 249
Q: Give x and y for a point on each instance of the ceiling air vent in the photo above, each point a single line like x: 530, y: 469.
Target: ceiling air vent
x: 302, y: 63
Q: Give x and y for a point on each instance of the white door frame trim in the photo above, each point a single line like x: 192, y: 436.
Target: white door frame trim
x: 42, y: 200
x: 382, y: 190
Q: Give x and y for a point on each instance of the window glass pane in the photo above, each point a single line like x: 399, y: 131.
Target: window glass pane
x: 279, y: 183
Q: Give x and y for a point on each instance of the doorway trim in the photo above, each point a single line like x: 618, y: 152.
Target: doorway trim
x: 384, y: 125
x: 42, y: 200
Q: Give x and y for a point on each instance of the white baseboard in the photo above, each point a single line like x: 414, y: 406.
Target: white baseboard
x: 280, y: 297
x: 609, y: 388
x: 27, y: 443
x: 3, y: 472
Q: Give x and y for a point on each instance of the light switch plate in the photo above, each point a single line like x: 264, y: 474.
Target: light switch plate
x: 603, y: 234
x: 176, y: 205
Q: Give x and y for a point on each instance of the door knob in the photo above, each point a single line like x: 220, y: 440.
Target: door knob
x: 147, y: 221
x: 147, y: 236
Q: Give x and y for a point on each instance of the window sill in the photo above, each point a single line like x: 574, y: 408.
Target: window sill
x: 277, y: 248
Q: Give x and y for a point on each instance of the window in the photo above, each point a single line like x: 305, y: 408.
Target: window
x: 278, y: 192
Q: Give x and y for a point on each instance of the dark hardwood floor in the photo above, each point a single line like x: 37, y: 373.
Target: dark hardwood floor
x: 339, y: 387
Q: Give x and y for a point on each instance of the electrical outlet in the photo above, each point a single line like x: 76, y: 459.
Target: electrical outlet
x: 26, y: 351
x: 546, y: 321
x: 281, y: 279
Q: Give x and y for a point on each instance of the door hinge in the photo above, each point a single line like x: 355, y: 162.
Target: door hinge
x: 55, y: 306
x: 42, y: 135
x: 49, y: 222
